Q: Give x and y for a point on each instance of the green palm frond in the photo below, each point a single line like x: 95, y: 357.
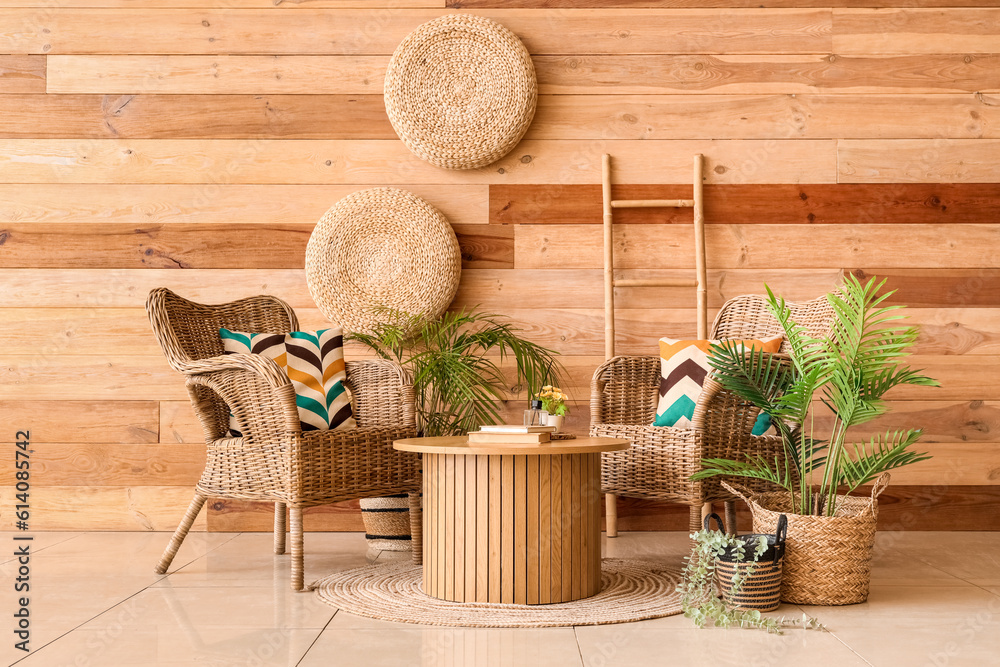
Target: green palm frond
x: 456, y: 361
x: 881, y: 453
x: 755, y: 467
x: 751, y: 375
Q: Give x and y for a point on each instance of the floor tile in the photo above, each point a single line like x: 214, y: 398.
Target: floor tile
x: 191, y: 609
x: 433, y: 647
x: 972, y: 641
x: 58, y: 604
x: 898, y: 567
x: 39, y: 542
x: 633, y: 646
x: 912, y: 606
x: 647, y: 545
x: 216, y: 646
x: 249, y: 560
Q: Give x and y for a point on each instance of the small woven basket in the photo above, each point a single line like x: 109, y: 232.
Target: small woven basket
x: 827, y: 559
x: 387, y: 522
x: 761, y: 586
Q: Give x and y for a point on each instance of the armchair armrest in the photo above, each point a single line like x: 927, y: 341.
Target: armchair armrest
x: 383, y: 393
x: 255, y: 389
x: 624, y: 391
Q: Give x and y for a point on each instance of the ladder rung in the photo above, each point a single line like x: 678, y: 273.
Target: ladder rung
x: 657, y: 282
x: 652, y: 203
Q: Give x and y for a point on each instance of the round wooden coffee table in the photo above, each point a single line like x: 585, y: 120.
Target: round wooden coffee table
x: 515, y: 524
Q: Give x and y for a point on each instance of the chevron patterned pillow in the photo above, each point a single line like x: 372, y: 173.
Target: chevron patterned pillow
x: 683, y: 367
x: 314, y: 362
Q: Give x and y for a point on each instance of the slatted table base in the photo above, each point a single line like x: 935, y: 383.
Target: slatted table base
x: 520, y: 529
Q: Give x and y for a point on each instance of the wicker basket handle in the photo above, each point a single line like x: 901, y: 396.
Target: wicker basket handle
x: 880, y: 484
x: 745, y: 494
x: 718, y: 522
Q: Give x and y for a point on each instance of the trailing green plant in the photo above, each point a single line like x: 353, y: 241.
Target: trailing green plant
x: 700, y: 600
x: 850, y: 370
x: 456, y: 363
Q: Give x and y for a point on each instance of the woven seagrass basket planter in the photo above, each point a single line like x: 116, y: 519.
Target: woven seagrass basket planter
x: 827, y: 559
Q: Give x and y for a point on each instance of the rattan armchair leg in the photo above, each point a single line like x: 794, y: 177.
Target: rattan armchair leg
x: 611, y: 514
x: 731, y: 517
x: 182, y: 530
x: 295, y: 533
x: 416, y: 529
x: 697, y: 516
x: 279, y: 528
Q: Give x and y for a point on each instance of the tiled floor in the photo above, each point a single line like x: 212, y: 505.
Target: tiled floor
x: 935, y: 601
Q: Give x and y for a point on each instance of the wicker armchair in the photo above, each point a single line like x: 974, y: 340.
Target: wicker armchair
x: 658, y: 466
x: 275, y: 460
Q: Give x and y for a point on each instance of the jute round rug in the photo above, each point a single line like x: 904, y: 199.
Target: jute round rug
x: 631, y: 590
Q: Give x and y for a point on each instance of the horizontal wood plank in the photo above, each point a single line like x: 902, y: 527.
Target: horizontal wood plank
x: 582, y: 74
x: 282, y: 5
x: 373, y: 31
x: 112, y: 465
x: 663, y: 4
x: 232, y: 161
x: 49, y: 332
x: 754, y: 246
x: 93, y: 422
x: 492, y: 288
x: 216, y: 75
x: 916, y: 30
x: 75, y: 377
x: 211, y: 203
x: 700, y: 116
x: 105, y: 508
x: 901, y: 507
x: 228, y: 116
x: 22, y: 74
x: 219, y: 246
x: 964, y: 423
x: 570, y: 331
x: 226, y: 515
x: 196, y: 117
x: 919, y: 160
x: 840, y: 203
x: 777, y: 73
x: 951, y: 288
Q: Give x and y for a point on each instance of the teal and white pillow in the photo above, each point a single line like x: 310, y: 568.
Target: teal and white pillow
x: 314, y: 362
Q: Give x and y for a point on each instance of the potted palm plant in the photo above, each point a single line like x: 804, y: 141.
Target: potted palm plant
x: 456, y: 362
x: 830, y: 532
x: 458, y: 382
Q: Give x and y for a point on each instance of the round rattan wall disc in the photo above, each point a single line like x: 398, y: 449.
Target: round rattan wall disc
x: 460, y: 91
x: 382, y: 248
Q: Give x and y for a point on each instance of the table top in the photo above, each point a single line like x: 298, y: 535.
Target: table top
x: 460, y: 445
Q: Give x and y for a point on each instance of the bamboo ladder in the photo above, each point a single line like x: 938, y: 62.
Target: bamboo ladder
x: 700, y: 282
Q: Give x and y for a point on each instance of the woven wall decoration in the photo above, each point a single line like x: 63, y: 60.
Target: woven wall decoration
x: 382, y: 247
x: 460, y: 91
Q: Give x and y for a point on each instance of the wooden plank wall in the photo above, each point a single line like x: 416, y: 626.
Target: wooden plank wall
x: 194, y: 143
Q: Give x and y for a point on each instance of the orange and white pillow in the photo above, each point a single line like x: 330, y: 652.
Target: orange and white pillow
x: 683, y: 367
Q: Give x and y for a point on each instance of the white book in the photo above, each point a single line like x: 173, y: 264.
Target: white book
x: 513, y: 428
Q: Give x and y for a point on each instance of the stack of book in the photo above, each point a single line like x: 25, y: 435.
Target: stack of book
x: 509, y: 434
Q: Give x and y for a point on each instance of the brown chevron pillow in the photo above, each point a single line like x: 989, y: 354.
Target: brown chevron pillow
x: 314, y: 362
x: 683, y: 367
